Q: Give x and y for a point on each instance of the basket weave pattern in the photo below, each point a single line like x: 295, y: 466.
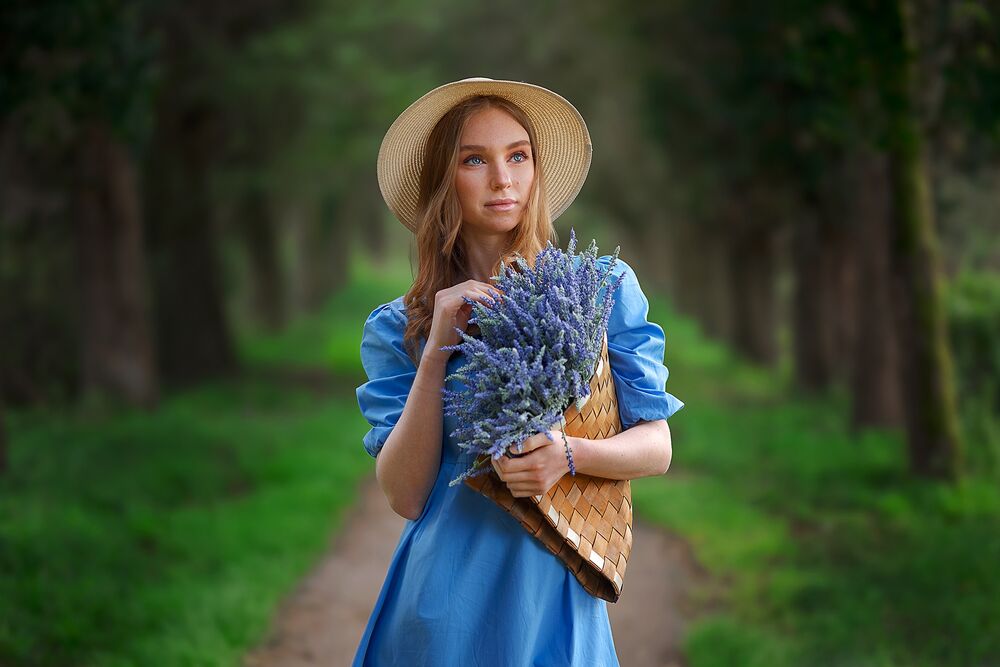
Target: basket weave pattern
x: 585, y: 521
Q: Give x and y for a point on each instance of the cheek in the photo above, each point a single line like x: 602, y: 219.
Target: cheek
x: 528, y: 179
x: 465, y: 186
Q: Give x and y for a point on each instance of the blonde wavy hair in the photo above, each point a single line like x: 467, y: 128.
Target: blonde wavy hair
x: 441, y: 261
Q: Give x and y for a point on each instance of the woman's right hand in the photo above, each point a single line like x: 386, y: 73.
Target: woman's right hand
x: 451, y: 311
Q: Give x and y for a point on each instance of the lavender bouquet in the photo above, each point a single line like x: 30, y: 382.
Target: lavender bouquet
x: 538, y: 349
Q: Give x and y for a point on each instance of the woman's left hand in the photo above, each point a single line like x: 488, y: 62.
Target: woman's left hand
x: 540, y: 464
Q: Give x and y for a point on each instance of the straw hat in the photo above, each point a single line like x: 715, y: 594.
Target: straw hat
x: 563, y: 142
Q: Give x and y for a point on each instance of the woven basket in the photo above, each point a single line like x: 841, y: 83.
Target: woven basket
x: 585, y: 521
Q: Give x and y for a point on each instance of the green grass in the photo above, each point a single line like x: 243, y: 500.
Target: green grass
x: 169, y: 537
x: 821, y: 548
x: 166, y: 538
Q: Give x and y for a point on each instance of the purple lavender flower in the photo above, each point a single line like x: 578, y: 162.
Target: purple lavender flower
x: 537, y: 351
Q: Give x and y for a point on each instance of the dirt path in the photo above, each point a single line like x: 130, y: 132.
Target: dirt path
x: 322, y: 621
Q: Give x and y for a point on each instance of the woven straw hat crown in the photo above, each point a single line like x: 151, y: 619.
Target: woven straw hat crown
x: 564, y: 149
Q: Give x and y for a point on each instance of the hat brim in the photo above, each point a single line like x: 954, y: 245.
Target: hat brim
x: 564, y: 143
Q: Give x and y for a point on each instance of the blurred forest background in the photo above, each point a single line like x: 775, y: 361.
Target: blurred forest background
x: 191, y: 236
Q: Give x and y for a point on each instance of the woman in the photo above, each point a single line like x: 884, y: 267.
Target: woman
x: 478, y: 169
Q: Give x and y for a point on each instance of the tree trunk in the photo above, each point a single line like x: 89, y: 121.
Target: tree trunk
x: 302, y: 218
x: 752, y: 262
x: 116, y: 344
x: 360, y: 209
x: 684, y: 250
x: 812, y: 316
x: 843, y: 277
x: 263, y: 246
x: 659, y: 238
x: 714, y: 289
x: 826, y: 270
x: 653, y: 241
x: 373, y: 234
x: 194, y: 339
x: 700, y: 270
x: 675, y: 283
x: 4, y: 456
x: 875, y: 393
x: 318, y: 273
x: 926, y: 363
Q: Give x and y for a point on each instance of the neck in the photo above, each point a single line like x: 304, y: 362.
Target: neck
x: 482, y: 253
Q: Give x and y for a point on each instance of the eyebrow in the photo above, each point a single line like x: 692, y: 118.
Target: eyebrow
x: 522, y: 142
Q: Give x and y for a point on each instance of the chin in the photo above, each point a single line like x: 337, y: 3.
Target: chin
x: 511, y: 225
x: 501, y: 225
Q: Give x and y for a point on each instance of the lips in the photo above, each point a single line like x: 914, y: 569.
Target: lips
x: 501, y: 204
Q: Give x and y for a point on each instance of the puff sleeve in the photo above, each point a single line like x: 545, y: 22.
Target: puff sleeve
x: 635, y: 352
x: 390, y: 374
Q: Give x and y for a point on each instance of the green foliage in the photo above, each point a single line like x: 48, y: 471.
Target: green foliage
x: 722, y: 641
x: 310, y: 99
x: 38, y: 320
x: 785, y: 90
x: 64, y: 62
x: 974, y: 319
x: 973, y: 71
x: 821, y: 548
x: 330, y: 340
x: 167, y: 538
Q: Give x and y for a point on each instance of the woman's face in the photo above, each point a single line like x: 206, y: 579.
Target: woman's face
x: 496, y: 168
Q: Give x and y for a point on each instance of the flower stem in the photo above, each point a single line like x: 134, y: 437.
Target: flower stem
x: 569, y: 454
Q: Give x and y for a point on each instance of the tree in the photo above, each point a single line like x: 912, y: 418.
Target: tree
x: 4, y: 456
x: 117, y: 348
x: 927, y: 368
x: 188, y: 143
x: 75, y: 76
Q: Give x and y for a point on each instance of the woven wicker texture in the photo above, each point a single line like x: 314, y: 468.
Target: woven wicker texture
x: 585, y: 521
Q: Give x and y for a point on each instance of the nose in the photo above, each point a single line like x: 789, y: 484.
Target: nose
x: 500, y: 176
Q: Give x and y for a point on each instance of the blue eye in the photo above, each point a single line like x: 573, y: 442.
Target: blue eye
x: 520, y: 154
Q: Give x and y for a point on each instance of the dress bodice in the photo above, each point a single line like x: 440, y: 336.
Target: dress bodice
x: 636, y: 349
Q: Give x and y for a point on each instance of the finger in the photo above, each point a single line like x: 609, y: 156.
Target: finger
x: 522, y: 491
x: 475, y: 294
x: 470, y: 299
x: 488, y: 291
x: 495, y: 292
x: 516, y: 463
x: 520, y: 465
x: 525, y: 477
x: 485, y: 298
x: 534, y: 442
x: 515, y: 451
x: 502, y: 467
x: 521, y: 448
x: 529, y: 445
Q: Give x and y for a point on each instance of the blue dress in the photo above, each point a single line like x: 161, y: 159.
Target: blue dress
x: 467, y: 585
